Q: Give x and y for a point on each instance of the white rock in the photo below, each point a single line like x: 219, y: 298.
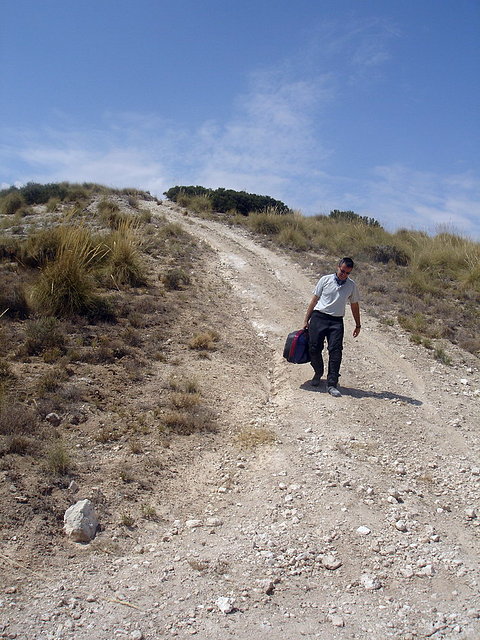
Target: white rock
x: 428, y: 570
x: 226, y: 605
x: 400, y: 525
x: 470, y: 513
x: 337, y: 621
x: 73, y: 486
x: 267, y: 586
x: 370, y: 582
x: 213, y: 522
x: 363, y: 531
x: 331, y: 563
x: 80, y: 521
x: 136, y: 635
x: 193, y: 524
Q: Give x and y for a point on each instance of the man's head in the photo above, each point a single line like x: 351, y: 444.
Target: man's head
x: 345, y: 266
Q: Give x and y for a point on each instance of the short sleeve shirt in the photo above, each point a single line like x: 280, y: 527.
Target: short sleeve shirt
x: 334, y: 296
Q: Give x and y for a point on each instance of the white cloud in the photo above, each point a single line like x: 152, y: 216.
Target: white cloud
x: 273, y: 142
x: 403, y: 197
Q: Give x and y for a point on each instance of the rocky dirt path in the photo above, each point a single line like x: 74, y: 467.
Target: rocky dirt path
x: 357, y: 518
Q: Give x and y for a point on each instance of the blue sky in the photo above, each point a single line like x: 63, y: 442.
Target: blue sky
x: 369, y: 105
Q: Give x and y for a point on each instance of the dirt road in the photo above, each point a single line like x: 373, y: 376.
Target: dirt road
x: 357, y: 517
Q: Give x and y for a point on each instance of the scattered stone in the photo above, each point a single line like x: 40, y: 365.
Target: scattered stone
x: 370, y: 582
x: 136, y: 635
x: 193, y: 524
x: 226, y: 605
x: 407, y: 572
x: 267, y: 586
x: 337, y: 621
x: 73, y: 487
x: 331, y: 563
x: 80, y: 521
x: 428, y: 570
x: 214, y: 522
x: 364, y: 531
x: 470, y: 513
x: 400, y: 525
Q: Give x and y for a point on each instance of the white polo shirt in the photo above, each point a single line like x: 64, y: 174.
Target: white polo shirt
x: 334, y: 296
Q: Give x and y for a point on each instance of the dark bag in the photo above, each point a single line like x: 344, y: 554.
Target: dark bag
x: 296, y: 347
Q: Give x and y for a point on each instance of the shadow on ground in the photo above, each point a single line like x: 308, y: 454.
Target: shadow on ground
x: 362, y: 393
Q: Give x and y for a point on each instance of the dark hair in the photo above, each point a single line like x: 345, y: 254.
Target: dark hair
x: 348, y: 262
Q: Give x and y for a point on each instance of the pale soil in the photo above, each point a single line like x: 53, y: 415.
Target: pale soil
x: 401, y: 444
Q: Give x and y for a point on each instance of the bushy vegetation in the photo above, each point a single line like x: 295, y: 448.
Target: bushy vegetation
x: 34, y: 193
x: 92, y: 288
x: 351, y: 216
x: 223, y: 200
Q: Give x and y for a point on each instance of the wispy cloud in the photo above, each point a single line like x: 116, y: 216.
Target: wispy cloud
x: 269, y: 141
x: 425, y: 200
x: 274, y: 140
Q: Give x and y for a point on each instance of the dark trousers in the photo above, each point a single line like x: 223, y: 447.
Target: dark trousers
x: 323, y: 326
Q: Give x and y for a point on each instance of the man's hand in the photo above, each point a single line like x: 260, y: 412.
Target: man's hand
x: 356, y: 331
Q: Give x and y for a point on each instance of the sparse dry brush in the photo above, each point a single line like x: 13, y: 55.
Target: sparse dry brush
x: 83, y: 319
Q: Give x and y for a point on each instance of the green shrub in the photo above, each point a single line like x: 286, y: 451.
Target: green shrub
x: 58, y: 459
x: 43, y: 334
x: 175, y: 279
x: 224, y: 200
x: 13, y: 301
x: 416, y: 323
x: 16, y: 418
x: 351, y: 216
x: 389, y: 253
x: 11, y: 203
x: 440, y: 355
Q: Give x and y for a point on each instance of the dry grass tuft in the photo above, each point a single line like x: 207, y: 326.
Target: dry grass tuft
x: 58, y: 459
x: 205, y: 341
x: 124, y: 263
x: 252, y: 437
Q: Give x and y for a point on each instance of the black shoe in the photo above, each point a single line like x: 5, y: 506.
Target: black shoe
x: 333, y: 391
x: 315, y: 381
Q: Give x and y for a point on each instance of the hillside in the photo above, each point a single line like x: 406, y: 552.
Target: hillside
x: 270, y: 509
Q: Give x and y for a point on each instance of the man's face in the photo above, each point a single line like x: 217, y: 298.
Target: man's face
x: 343, y: 271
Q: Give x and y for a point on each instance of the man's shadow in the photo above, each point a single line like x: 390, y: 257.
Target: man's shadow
x: 362, y: 393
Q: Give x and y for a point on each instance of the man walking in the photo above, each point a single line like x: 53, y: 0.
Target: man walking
x: 324, y: 319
